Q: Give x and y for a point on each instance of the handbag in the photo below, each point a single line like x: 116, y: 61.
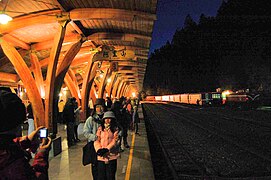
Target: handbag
x: 89, y: 154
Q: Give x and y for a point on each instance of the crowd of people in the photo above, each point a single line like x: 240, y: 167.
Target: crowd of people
x: 107, y: 127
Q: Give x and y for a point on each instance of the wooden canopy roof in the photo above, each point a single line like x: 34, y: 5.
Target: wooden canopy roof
x: 125, y: 25
x: 50, y: 42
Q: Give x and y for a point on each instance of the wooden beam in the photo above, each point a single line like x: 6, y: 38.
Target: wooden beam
x: 115, y: 87
x: 28, y: 81
x: 103, y: 81
x: 74, y: 79
x: 109, y: 14
x: 70, y: 84
x: 8, y: 77
x: 110, y: 85
x: 16, y: 42
x: 63, y: 68
x: 119, y: 88
x: 68, y: 58
x: 76, y: 28
x: 69, y: 39
x: 87, y: 82
x: 36, y: 68
x: 51, y: 74
x: 30, y: 20
x: 100, y: 36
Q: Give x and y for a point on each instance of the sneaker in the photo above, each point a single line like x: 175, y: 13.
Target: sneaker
x: 126, y: 146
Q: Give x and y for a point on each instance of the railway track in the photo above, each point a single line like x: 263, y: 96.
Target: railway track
x: 172, y: 147
x: 209, y: 133
x: 237, y: 129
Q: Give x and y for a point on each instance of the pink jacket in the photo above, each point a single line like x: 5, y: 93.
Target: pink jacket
x: 106, y: 140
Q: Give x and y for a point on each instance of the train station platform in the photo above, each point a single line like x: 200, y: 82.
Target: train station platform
x: 134, y: 163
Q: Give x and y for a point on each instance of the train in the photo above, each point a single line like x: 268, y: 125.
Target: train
x: 210, y: 98
x: 239, y: 99
x: 243, y: 100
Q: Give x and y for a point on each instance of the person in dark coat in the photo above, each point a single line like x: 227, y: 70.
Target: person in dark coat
x: 119, y: 110
x: 69, y: 118
x: 136, y: 119
x: 108, y: 103
x: 14, y: 157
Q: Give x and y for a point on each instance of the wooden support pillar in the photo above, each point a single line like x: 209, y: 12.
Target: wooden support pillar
x: 119, y: 88
x: 115, y: 88
x: 126, y: 90
x: 110, y: 85
x: 122, y: 88
x: 74, y: 79
x: 51, y: 74
x: 36, y: 69
x: 63, y: 68
x: 28, y: 81
x: 102, y: 85
x: 87, y: 83
x: 70, y: 84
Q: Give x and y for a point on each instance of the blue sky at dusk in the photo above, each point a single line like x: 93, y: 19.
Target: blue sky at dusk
x: 171, y: 15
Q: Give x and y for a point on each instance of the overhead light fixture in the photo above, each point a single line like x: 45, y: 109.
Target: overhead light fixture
x: 4, y: 18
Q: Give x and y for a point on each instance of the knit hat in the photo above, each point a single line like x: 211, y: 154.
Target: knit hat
x: 100, y: 101
x: 12, y: 111
x: 109, y: 114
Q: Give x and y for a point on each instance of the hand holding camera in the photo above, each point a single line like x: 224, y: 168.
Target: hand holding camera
x: 42, y: 133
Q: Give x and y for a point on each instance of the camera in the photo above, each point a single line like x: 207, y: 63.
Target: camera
x: 43, y: 133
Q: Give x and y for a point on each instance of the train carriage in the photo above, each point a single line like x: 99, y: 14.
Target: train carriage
x: 211, y: 98
x: 243, y: 100
x: 185, y: 98
x: 177, y: 98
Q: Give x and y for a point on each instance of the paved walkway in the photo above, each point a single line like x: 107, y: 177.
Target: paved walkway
x: 134, y: 163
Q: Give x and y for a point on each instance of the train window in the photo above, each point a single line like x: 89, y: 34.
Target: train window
x: 216, y: 96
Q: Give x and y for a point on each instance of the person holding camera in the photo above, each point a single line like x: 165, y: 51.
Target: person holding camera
x: 15, y: 150
x: 106, y: 147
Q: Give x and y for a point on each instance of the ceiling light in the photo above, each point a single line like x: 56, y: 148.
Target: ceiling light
x: 4, y: 18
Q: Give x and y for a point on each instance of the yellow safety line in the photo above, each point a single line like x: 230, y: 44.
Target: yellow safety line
x: 129, y: 166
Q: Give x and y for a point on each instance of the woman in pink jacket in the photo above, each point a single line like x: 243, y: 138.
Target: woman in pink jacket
x: 106, y: 147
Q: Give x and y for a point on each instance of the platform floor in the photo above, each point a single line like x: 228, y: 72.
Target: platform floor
x: 134, y: 163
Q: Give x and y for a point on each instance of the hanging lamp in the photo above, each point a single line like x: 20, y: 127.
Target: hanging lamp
x: 4, y: 18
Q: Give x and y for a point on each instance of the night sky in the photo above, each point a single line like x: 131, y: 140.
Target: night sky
x: 171, y: 15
